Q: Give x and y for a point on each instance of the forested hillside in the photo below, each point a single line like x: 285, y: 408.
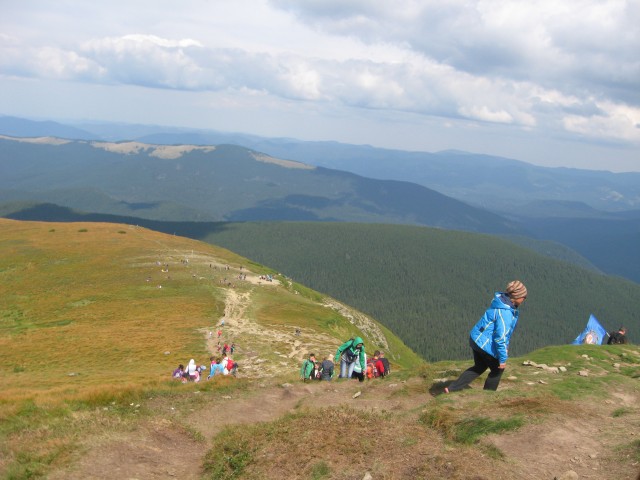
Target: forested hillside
x: 430, y: 286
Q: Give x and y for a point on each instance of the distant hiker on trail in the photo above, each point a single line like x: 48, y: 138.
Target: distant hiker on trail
x: 348, y: 354
x: 385, y: 363
x: 219, y: 333
x: 308, y: 365
x: 327, y: 368
x: 225, y: 348
x: 489, y: 339
x: 232, y: 348
x: 222, y: 322
x: 232, y: 366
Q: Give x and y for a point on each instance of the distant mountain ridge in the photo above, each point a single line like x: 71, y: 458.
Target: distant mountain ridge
x: 218, y: 183
x: 466, y: 176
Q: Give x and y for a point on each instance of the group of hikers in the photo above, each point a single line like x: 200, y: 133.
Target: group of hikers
x: 223, y: 365
x: 488, y: 339
x: 353, y: 363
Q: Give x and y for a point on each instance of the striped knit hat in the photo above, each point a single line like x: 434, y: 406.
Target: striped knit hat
x: 516, y: 289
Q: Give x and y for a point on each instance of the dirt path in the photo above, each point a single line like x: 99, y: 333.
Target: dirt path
x: 254, y: 337
x: 169, y: 445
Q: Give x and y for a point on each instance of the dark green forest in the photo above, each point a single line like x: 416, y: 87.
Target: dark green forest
x: 430, y: 286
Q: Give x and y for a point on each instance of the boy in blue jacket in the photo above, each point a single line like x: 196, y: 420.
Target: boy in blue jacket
x: 489, y: 339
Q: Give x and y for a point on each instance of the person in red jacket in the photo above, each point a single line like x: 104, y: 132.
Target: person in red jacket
x: 377, y: 363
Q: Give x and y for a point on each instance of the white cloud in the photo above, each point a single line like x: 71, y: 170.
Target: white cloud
x: 553, y: 68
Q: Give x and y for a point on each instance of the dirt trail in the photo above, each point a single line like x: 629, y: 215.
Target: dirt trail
x: 165, y: 447
x: 254, y: 337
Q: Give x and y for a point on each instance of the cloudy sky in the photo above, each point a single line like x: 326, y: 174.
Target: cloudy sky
x: 550, y: 82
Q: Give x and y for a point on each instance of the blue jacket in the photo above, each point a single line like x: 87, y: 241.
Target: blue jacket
x: 215, y: 369
x: 493, y: 331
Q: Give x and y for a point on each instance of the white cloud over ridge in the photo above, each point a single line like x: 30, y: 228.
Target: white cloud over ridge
x: 566, y: 68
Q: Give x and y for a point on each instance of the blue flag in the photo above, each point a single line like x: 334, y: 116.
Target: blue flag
x: 592, y: 335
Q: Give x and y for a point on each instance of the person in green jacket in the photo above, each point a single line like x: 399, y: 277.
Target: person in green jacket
x: 307, y: 367
x: 348, y: 354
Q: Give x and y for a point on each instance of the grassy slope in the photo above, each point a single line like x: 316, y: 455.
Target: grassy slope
x: 76, y: 300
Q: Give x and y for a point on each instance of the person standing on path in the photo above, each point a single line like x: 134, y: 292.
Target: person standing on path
x: 489, y: 339
x: 307, y: 367
x: 348, y: 354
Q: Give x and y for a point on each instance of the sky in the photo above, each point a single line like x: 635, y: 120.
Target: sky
x: 553, y: 83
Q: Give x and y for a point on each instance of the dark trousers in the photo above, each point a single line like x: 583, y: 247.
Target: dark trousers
x: 481, y: 361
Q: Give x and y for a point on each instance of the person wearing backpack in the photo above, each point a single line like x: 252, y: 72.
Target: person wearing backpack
x: 306, y: 372
x: 378, y: 366
x: 232, y: 366
x: 350, y: 353
x: 327, y: 369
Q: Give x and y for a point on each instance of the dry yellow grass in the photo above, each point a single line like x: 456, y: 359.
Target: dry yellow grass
x: 87, y: 306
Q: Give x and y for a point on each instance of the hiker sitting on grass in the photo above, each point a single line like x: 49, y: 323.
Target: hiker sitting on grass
x: 178, y: 373
x: 216, y: 368
x: 191, y: 372
x: 350, y: 353
x: 306, y: 372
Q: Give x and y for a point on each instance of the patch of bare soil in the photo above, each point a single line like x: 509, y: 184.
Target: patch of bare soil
x: 588, y: 441
x: 385, y: 438
x: 155, y: 449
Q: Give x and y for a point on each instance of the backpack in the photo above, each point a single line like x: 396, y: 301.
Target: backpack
x: 387, y: 368
x: 230, y: 364
x: 306, y: 365
x: 372, y: 371
x: 617, y: 338
x: 350, y: 356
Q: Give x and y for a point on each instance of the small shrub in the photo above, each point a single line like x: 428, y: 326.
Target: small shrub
x: 320, y: 470
x: 618, y: 412
x: 468, y: 431
x: 122, y: 232
x: 229, y: 461
x: 83, y: 230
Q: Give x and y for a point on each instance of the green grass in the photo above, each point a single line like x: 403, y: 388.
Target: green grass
x: 231, y: 456
x: 320, y: 470
x: 470, y: 430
